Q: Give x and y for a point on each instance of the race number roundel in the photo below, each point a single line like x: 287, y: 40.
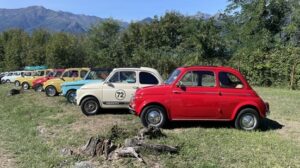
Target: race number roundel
x: 120, y: 94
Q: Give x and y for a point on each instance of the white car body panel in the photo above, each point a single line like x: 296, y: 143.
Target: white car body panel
x: 11, y: 76
x: 115, y: 95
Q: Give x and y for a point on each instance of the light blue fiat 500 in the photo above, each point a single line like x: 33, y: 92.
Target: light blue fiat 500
x: 93, y: 76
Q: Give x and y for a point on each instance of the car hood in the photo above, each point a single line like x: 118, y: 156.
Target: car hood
x: 81, y: 82
x: 154, y: 90
x: 55, y: 80
x: 92, y: 85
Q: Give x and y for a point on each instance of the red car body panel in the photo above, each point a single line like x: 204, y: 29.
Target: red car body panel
x: 200, y: 103
x: 44, y: 79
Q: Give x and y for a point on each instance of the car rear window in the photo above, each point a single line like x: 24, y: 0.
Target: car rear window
x: 229, y: 80
x: 147, y: 78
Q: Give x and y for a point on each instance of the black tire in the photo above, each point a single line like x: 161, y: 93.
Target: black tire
x: 25, y: 85
x: 17, y: 83
x: 90, y: 106
x: 38, y: 88
x: 150, y: 120
x: 7, y: 81
x: 51, y: 91
x: 247, y: 119
x: 71, y: 96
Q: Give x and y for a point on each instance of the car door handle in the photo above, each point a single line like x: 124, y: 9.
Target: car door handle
x: 135, y: 87
x: 177, y: 92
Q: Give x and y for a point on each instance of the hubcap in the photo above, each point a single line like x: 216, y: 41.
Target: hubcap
x: 51, y: 91
x: 72, y: 96
x: 25, y: 86
x: 90, y: 107
x: 39, y: 88
x: 17, y: 84
x: 248, y: 121
x: 154, y: 117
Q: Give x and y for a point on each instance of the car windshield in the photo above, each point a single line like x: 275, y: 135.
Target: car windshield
x: 50, y: 74
x: 57, y: 74
x: 27, y: 73
x: 172, y: 77
x: 37, y: 73
x: 97, y: 75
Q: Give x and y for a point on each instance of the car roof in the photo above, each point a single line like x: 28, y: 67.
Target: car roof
x: 152, y: 70
x: 225, y: 68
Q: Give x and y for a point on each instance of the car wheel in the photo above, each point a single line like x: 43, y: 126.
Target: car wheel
x: 71, y: 96
x: 7, y: 81
x: 25, y: 86
x: 90, y: 106
x: 154, y: 115
x: 50, y: 91
x: 2, y: 81
x: 17, y: 83
x: 247, y: 119
x: 38, y: 88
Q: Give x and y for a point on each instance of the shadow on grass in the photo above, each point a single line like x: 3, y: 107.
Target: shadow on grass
x: 114, y: 111
x: 194, y: 124
x: 266, y: 124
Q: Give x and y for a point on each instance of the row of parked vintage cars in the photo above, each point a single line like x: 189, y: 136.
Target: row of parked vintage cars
x: 211, y: 93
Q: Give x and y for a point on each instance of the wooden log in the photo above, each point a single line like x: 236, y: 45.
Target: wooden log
x: 150, y: 132
x: 159, y: 147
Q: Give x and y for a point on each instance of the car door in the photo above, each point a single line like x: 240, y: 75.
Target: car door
x: 147, y: 79
x: 232, y: 91
x: 196, y: 96
x: 118, y: 90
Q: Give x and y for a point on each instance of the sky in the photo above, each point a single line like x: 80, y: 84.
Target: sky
x: 125, y: 10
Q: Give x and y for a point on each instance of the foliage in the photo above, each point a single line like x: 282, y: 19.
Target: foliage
x: 258, y: 37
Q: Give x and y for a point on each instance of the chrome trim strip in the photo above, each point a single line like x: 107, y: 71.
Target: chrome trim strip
x: 199, y: 119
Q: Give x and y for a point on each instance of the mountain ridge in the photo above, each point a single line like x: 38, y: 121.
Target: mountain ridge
x: 38, y: 17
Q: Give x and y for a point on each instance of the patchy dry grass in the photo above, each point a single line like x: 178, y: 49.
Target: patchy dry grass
x: 34, y: 128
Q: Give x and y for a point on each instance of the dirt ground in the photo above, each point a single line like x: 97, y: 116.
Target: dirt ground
x: 6, y: 160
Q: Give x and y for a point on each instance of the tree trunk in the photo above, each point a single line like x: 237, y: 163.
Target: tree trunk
x: 293, y: 76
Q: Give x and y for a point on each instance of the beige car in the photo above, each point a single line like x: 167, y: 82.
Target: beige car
x: 117, y: 90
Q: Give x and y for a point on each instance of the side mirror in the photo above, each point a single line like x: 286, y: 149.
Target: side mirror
x: 109, y: 84
x: 180, y: 84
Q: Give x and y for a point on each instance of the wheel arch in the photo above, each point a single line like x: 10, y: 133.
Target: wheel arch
x: 89, y: 96
x: 72, y: 89
x: 157, y: 104
x: 240, y: 108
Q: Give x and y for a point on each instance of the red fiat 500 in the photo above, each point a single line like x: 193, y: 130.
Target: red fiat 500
x: 201, y: 93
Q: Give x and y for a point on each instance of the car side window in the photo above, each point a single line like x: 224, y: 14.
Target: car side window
x: 41, y: 73
x: 74, y: 74
x: 199, y: 78
x: 66, y: 74
x: 83, y: 73
x: 123, y: 77
x: 229, y: 80
x: 58, y: 74
x: 147, y: 78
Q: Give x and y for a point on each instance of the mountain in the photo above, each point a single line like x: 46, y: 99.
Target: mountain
x: 200, y: 15
x: 35, y: 17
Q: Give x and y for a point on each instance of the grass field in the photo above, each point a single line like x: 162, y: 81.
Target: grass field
x: 35, y: 128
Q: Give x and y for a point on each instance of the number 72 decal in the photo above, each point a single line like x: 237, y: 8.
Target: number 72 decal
x: 120, y: 94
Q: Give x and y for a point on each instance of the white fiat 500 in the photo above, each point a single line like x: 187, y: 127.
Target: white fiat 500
x: 117, y: 90
x: 11, y: 76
